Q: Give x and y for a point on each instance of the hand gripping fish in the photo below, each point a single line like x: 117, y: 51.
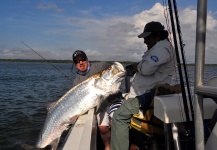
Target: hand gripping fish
x: 77, y: 101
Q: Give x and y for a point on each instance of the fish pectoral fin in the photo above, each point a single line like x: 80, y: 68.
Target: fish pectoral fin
x: 73, y: 119
x: 54, y: 144
x: 70, y: 123
x: 99, y: 103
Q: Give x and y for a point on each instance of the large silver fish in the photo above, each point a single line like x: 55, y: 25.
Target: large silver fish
x: 77, y: 101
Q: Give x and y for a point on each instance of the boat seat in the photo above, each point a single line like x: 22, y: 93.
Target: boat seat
x: 211, y: 143
x: 213, y: 82
x: 148, y: 127
x: 213, y: 121
x: 145, y: 123
x: 171, y: 108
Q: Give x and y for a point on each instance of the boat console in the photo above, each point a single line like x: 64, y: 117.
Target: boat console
x: 170, y: 110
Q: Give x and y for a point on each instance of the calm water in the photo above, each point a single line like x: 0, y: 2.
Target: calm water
x: 25, y: 88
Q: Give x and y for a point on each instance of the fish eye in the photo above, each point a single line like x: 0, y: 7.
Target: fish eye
x: 109, y: 68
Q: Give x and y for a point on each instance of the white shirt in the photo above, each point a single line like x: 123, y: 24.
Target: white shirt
x: 156, y: 67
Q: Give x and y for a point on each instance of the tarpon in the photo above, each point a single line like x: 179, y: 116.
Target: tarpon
x: 77, y: 101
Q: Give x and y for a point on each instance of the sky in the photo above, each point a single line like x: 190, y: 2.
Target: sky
x: 106, y: 30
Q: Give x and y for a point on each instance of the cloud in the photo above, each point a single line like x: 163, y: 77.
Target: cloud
x: 44, y: 6
x: 114, y: 38
x: 15, y: 53
x: 188, y: 26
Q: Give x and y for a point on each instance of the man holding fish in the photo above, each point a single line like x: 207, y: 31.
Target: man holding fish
x: 91, y: 92
x: 85, y: 70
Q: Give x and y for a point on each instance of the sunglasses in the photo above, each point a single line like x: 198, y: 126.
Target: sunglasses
x: 78, y: 60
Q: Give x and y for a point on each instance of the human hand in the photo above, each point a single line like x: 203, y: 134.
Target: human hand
x: 131, y: 69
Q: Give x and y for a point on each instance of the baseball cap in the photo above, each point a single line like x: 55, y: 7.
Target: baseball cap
x: 78, y: 53
x: 151, y: 27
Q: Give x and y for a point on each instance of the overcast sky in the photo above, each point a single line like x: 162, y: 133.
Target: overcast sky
x: 104, y: 29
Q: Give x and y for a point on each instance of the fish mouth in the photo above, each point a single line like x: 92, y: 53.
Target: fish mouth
x: 114, y: 74
x: 120, y: 69
x: 119, y: 66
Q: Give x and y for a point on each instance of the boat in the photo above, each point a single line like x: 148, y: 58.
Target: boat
x: 83, y: 135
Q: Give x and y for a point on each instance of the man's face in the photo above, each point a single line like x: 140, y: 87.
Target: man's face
x: 150, y: 41
x: 81, y: 63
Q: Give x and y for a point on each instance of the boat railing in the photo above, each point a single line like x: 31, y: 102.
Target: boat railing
x: 83, y: 135
x: 201, y: 90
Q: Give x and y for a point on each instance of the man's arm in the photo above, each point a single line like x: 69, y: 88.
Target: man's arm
x: 151, y: 62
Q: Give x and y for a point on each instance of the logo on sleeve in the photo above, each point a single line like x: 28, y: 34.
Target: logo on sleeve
x: 154, y: 58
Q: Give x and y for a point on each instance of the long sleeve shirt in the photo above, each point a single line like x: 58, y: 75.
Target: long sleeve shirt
x: 156, y: 67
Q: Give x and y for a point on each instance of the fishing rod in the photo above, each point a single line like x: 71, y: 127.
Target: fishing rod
x: 179, y: 64
x: 46, y: 60
x: 183, y: 58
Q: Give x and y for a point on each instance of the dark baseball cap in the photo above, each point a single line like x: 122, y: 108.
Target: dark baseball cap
x: 78, y: 53
x: 151, y: 27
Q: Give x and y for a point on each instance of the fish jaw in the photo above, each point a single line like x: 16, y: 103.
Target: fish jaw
x: 119, y: 66
x: 118, y: 71
x: 111, y: 76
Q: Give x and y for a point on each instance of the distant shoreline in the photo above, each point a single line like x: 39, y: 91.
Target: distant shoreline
x: 50, y: 61
x: 70, y: 61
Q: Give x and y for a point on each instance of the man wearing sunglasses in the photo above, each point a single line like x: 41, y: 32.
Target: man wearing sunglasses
x: 85, y: 69
x: 157, y: 66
